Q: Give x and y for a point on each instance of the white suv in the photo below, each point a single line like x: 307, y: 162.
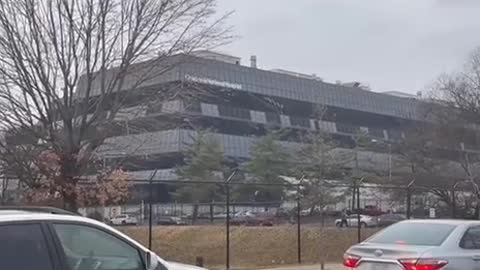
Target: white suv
x: 352, y: 221
x: 123, y: 219
x: 53, y: 239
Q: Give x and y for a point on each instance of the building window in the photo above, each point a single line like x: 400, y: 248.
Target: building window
x: 394, y: 135
x: 300, y: 122
x: 234, y: 112
x: 345, y: 128
x: 258, y: 117
x: 285, y: 120
x: 209, y: 109
x: 376, y: 132
x: 273, y: 118
x: 193, y: 106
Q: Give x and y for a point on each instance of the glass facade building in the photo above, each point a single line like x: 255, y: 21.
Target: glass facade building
x: 243, y: 103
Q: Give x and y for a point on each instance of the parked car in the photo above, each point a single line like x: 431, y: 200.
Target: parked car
x: 165, y: 220
x: 254, y: 219
x: 243, y: 214
x: 389, y: 219
x: 49, y: 238
x: 307, y: 212
x: 261, y: 219
x: 419, y: 244
x: 221, y: 215
x: 352, y: 221
x: 124, y: 219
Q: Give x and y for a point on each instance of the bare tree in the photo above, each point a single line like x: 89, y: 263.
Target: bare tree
x: 447, y: 147
x: 319, y: 160
x: 66, y: 66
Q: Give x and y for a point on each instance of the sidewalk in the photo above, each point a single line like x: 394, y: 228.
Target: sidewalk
x: 310, y: 267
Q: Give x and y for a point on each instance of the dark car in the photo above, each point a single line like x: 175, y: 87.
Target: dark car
x: 168, y: 220
x: 389, y: 219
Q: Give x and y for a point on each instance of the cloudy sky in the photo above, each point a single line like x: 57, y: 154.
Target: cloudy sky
x: 391, y: 44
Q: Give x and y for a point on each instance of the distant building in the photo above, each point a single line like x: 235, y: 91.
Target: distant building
x: 243, y: 103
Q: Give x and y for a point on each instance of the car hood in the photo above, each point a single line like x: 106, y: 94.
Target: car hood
x: 181, y: 266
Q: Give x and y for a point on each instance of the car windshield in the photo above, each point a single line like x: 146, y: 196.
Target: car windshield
x: 422, y: 234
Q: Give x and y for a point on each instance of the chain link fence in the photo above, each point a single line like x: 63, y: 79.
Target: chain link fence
x: 238, y: 223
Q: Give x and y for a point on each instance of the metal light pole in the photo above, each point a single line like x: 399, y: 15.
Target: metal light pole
x: 409, y: 198
x: 359, y: 233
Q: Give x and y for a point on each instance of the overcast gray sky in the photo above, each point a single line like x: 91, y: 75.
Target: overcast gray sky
x: 391, y: 44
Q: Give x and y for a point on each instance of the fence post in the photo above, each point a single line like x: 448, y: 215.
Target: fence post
x: 359, y: 225
x: 299, y: 229
x: 150, y: 203
x: 227, y: 222
x: 454, y: 214
x: 409, y: 202
x: 353, y: 196
x: 227, y: 187
x: 211, y: 212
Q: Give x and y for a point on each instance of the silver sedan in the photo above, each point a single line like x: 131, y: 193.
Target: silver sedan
x: 419, y: 245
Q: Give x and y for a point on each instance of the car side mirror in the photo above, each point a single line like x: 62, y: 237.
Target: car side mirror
x: 151, y: 261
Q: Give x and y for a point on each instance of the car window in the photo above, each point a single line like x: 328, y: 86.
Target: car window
x: 88, y: 248
x: 471, y: 239
x: 23, y: 247
x: 423, y: 234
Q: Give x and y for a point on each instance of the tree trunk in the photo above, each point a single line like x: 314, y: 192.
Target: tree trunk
x: 70, y: 202
x: 68, y: 181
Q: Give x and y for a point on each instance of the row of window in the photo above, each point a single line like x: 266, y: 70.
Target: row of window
x: 273, y: 84
x: 272, y: 118
x: 292, y: 121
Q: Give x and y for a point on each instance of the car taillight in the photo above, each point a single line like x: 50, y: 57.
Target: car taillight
x: 423, y: 264
x: 350, y: 260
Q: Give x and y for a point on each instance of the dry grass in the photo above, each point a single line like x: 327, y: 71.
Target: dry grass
x: 250, y: 246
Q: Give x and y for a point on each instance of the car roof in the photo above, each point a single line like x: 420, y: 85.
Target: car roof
x: 19, y: 215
